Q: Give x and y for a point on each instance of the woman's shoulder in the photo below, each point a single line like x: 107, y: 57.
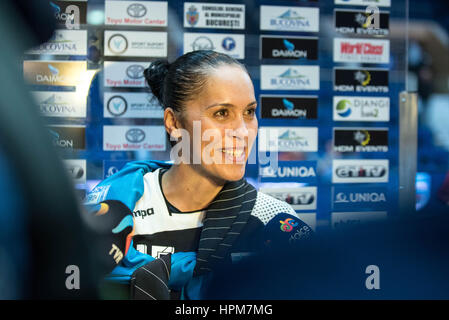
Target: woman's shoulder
x: 266, y: 207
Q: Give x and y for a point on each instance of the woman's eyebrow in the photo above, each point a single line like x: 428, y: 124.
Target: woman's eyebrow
x: 228, y: 105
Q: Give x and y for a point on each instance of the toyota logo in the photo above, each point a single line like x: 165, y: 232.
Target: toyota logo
x: 136, y: 10
x: 135, y: 71
x: 135, y: 135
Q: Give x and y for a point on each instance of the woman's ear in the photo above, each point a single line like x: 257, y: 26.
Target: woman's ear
x: 172, y: 125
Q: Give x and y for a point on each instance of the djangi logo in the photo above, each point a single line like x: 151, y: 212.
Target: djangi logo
x: 288, y: 224
x: 117, y: 43
x: 344, y: 108
x: 192, y: 16
x: 228, y: 44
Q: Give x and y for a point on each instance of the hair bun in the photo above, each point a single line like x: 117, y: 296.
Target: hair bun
x: 155, y: 75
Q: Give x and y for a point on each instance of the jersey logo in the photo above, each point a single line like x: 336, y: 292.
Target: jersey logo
x: 159, y: 251
x: 143, y: 213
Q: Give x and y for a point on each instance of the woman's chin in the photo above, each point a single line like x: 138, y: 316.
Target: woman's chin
x: 232, y: 172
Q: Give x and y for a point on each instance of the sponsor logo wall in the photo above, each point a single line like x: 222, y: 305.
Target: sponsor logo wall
x: 214, y: 15
x: 230, y: 44
x: 287, y: 59
x: 136, y: 13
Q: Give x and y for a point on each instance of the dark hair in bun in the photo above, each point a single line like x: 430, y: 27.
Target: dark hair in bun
x: 155, y: 75
x: 174, y: 84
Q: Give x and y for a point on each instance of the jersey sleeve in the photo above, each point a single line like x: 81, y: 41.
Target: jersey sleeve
x: 267, y: 207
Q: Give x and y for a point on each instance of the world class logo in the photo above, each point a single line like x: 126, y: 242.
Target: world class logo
x: 288, y: 224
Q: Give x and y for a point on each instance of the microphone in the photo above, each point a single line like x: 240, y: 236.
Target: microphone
x: 111, y: 226
x: 286, y: 230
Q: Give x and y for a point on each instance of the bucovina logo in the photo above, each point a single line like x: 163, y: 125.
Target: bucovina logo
x: 136, y: 10
x: 192, y: 16
x: 290, y: 19
x: 135, y: 135
x: 117, y: 43
x: 290, y: 78
x: 289, y: 139
x: 288, y: 224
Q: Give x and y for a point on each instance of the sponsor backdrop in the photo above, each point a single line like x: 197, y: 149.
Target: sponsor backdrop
x: 327, y: 75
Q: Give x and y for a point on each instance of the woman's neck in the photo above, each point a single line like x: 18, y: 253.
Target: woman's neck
x: 187, y: 189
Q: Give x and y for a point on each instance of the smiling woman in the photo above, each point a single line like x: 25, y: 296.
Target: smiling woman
x: 200, y: 204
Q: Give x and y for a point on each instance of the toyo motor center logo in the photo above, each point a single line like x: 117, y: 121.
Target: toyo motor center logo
x: 288, y: 224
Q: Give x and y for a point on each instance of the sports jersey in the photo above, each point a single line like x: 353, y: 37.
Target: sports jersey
x: 161, y: 228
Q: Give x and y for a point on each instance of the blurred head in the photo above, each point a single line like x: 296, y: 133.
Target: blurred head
x: 209, y: 109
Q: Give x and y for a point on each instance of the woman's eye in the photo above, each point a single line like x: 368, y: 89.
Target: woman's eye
x: 251, y: 112
x: 221, y: 113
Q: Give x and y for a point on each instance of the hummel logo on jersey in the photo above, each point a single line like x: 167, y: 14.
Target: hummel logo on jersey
x: 143, y: 213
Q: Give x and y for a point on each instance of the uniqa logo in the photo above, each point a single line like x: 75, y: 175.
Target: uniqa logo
x: 135, y: 135
x: 135, y: 71
x: 288, y: 172
x: 202, y: 43
x: 136, y: 10
x: 360, y: 197
x: 117, y: 43
x: 344, y: 108
x: 288, y: 224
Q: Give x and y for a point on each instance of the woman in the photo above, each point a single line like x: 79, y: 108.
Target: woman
x: 201, y: 203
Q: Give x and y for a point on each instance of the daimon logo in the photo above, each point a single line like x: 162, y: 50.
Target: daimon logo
x: 288, y: 224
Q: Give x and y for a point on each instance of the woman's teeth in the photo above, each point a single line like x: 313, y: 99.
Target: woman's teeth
x: 232, y: 152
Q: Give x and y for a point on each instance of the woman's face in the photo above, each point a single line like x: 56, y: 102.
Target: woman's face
x: 225, y: 114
